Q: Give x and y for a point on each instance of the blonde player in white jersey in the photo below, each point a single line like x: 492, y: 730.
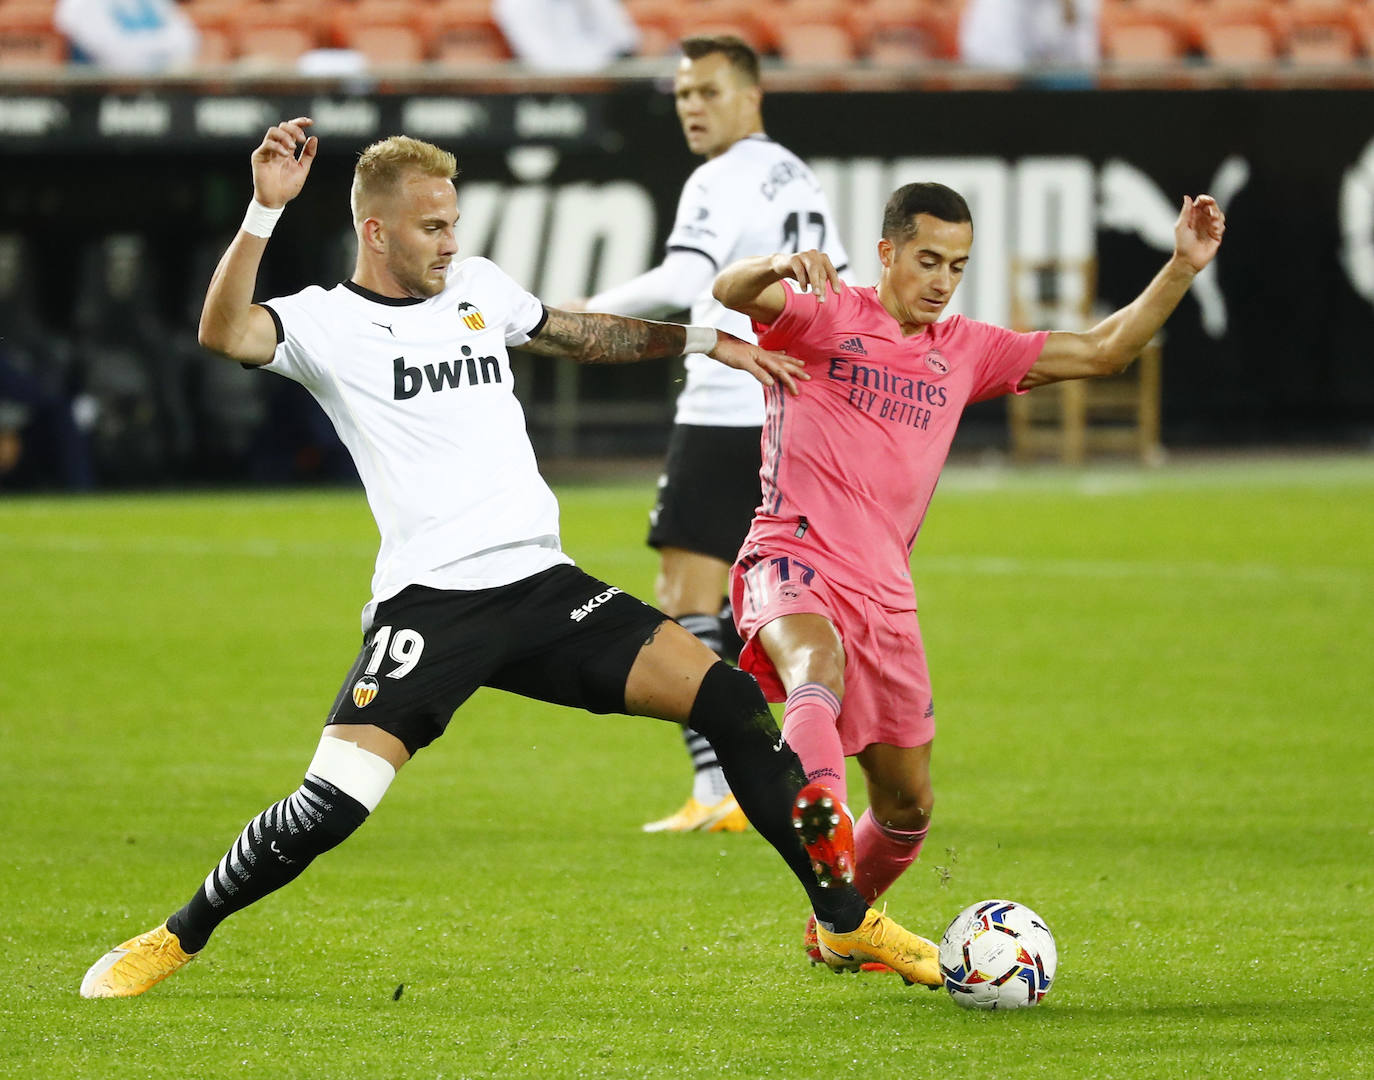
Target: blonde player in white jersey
x: 752, y: 196
x: 471, y: 587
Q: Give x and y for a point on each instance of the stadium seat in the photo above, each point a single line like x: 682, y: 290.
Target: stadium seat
x: 271, y: 46
x: 386, y: 44
x: 739, y: 17
x: 271, y: 34
x: 29, y: 49
x: 216, y: 47
x: 1237, y: 31
x: 896, y: 32
x: 211, y: 14
x: 815, y: 43
x: 1141, y: 30
x: 657, y: 22
x: 462, y: 32
x: 1144, y: 42
x: 1318, y: 33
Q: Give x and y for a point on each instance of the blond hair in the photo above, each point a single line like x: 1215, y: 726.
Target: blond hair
x: 383, y: 165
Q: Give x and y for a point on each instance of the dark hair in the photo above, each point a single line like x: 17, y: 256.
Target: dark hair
x: 736, y: 50
x: 899, y: 216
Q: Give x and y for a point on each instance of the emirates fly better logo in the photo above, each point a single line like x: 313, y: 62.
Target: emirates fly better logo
x: 472, y: 318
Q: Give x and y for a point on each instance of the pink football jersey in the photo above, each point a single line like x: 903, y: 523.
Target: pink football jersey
x: 850, y: 465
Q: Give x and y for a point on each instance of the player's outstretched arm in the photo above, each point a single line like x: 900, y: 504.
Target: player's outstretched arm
x: 593, y: 338
x: 230, y: 323
x: 1111, y: 345
x: 754, y: 286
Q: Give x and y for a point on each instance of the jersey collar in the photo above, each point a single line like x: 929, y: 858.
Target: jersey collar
x: 378, y: 298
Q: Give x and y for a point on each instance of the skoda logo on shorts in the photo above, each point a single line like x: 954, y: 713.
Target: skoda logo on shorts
x: 364, y: 690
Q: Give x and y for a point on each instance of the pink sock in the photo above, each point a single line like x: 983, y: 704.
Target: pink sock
x: 881, y: 854
x: 809, y: 725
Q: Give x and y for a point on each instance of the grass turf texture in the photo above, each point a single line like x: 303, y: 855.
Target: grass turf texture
x: 1154, y: 696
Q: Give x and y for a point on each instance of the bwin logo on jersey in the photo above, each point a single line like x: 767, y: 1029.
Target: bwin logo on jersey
x: 579, y: 613
x: 472, y: 318
x: 409, y: 381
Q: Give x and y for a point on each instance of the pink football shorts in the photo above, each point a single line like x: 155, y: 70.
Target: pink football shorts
x: 887, y: 695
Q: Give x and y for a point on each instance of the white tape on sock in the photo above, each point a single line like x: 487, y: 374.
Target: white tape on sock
x: 356, y: 772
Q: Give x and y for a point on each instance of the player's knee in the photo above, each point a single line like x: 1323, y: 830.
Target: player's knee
x: 821, y: 663
x: 355, y: 781
x: 907, y: 808
x: 729, y: 701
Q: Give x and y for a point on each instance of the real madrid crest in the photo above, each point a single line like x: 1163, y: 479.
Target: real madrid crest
x: 364, y: 690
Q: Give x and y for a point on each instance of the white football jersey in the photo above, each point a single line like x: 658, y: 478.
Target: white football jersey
x: 756, y: 198
x: 421, y: 393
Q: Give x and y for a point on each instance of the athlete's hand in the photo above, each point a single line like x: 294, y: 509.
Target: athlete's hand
x: 767, y: 367
x: 1198, y: 231
x: 278, y: 174
x: 809, y: 269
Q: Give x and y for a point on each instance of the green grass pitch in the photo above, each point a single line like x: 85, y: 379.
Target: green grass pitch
x: 1154, y: 695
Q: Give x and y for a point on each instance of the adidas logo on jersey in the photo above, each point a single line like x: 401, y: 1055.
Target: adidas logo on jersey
x: 409, y: 381
x: 854, y: 345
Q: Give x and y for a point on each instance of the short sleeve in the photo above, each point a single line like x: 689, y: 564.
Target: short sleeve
x: 800, y: 312
x: 300, y: 334
x: 521, y: 314
x: 708, y: 220
x: 1004, y: 357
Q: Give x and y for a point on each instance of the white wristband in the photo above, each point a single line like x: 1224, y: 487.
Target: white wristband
x: 260, y: 220
x: 701, y: 339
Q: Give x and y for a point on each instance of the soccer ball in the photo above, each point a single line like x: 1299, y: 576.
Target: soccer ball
x: 998, y: 954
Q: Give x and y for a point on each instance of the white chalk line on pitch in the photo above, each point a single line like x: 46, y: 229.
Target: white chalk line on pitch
x: 987, y: 566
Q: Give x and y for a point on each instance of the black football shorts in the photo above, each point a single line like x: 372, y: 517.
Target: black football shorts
x: 560, y: 635
x: 708, y: 491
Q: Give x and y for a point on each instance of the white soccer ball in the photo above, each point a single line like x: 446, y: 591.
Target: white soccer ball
x: 998, y: 954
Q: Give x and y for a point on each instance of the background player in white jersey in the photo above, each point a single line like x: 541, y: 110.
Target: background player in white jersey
x: 471, y: 588
x: 751, y: 197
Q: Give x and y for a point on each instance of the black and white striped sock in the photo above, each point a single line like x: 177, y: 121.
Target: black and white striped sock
x: 271, y: 851
x: 709, y: 785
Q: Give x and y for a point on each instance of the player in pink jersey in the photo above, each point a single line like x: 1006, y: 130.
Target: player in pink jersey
x: 822, y: 588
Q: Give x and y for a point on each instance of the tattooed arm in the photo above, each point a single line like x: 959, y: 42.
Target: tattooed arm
x: 606, y: 339
x: 593, y: 338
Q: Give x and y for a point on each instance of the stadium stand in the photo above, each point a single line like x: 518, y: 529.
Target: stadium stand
x: 28, y: 38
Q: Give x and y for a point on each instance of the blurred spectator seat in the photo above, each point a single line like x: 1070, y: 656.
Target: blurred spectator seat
x: 27, y: 50
x: 1321, y: 32
x: 1237, y: 31
x: 28, y: 37
x: 1144, y: 30
x: 1362, y: 19
x: 1144, y: 42
x: 463, y: 32
x: 386, y: 32
x: 658, y: 25
x: 894, y: 32
x: 815, y: 43
x: 268, y: 32
x: 742, y: 18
